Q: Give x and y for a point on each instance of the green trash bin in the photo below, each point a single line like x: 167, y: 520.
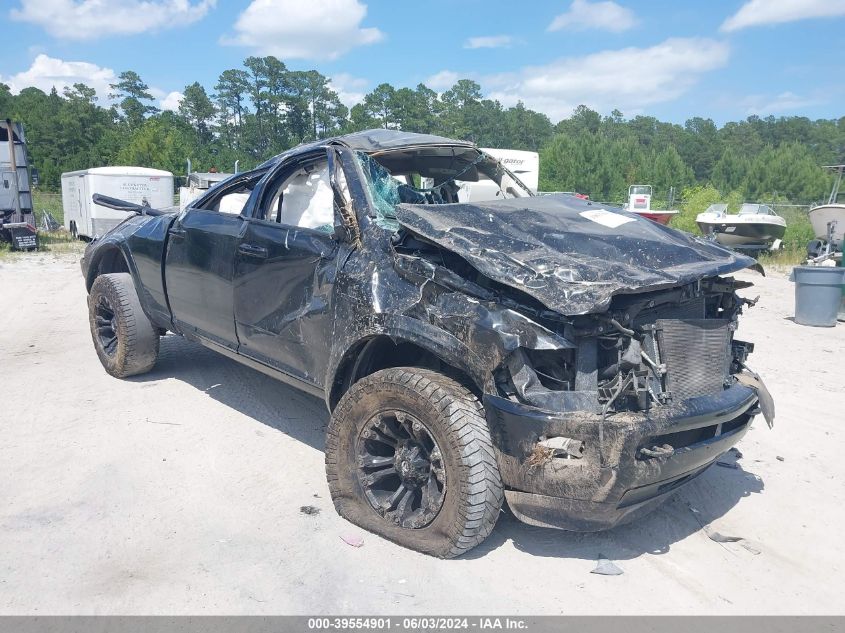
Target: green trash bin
x: 818, y: 294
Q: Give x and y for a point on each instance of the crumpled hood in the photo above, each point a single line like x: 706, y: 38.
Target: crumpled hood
x: 571, y: 255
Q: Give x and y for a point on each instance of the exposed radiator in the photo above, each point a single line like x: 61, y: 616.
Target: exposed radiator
x: 697, y: 354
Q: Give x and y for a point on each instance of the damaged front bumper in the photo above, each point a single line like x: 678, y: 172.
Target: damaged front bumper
x: 630, y: 462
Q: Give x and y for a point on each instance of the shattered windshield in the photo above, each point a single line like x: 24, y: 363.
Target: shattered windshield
x: 434, y: 175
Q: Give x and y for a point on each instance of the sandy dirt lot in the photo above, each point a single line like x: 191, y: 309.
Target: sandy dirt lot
x: 179, y: 492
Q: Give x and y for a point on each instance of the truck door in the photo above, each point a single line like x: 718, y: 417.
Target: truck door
x: 285, y: 269
x: 200, y: 260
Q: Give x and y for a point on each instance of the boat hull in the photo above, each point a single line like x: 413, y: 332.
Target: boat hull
x: 661, y: 217
x: 743, y: 233
x: 820, y: 217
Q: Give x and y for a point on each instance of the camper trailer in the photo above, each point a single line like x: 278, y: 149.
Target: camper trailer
x: 16, y: 221
x: 86, y: 220
x: 524, y: 165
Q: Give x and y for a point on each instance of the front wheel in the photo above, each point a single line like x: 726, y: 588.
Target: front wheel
x: 409, y: 457
x: 125, y: 340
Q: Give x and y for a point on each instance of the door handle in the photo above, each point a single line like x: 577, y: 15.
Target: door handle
x: 253, y: 251
x: 176, y: 233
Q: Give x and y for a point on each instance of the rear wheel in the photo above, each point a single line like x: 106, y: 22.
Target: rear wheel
x: 125, y: 340
x: 409, y: 457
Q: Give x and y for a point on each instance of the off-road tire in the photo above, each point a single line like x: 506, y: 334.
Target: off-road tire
x: 455, y: 419
x: 137, y: 340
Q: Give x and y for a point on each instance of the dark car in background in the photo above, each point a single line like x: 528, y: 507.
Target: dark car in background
x: 576, y: 360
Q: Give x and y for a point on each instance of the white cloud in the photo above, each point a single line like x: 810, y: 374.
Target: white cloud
x: 489, y: 41
x: 629, y: 79
x: 761, y: 12
x: 47, y: 72
x: 171, y: 101
x: 350, y: 90
x: 603, y: 16
x: 784, y: 102
x: 445, y: 79
x: 299, y: 29
x: 92, y: 19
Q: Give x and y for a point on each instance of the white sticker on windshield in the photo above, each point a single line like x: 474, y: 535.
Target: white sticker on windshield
x: 605, y: 218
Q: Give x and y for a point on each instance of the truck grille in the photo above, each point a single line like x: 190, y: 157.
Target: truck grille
x: 697, y: 354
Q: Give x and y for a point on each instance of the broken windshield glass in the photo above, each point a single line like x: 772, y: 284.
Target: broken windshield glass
x: 384, y: 191
x: 443, y: 172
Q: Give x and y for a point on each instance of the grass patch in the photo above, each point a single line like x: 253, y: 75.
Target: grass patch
x: 799, y: 231
x: 49, y: 202
x: 59, y: 242
x: 787, y: 257
x: 56, y: 242
x: 56, y: 237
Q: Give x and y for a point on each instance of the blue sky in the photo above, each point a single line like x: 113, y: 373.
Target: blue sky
x: 724, y: 59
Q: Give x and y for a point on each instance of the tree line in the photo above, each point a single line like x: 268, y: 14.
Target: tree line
x: 264, y: 108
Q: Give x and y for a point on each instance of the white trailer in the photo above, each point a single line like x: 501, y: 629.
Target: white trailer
x: 141, y: 185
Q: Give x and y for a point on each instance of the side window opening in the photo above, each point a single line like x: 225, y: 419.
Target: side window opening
x: 305, y: 198
x: 234, y: 202
x: 232, y: 199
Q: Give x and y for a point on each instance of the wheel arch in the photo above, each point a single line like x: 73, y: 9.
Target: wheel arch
x: 405, y: 347
x: 108, y: 258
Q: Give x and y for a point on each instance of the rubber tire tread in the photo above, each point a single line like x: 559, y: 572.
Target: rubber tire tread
x: 474, y: 491
x: 137, y: 338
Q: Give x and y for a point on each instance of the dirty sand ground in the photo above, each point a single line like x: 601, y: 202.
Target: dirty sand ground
x: 179, y: 492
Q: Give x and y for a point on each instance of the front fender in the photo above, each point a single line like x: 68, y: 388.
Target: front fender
x: 101, y: 257
x: 140, y: 242
x: 401, y: 328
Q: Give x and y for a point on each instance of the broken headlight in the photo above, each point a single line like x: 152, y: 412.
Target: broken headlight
x: 537, y: 377
x: 627, y: 375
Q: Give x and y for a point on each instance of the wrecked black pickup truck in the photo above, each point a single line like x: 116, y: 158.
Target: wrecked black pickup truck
x: 574, y: 359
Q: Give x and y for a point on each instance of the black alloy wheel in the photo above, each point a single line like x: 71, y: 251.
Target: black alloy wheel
x: 400, y: 468
x: 106, y: 325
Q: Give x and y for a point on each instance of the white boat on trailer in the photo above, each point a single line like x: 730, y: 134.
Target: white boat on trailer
x: 756, y: 227
x: 828, y: 222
